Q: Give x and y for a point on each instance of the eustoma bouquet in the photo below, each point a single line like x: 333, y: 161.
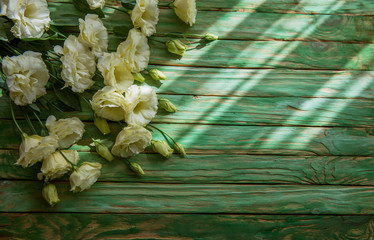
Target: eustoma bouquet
x: 48, y: 73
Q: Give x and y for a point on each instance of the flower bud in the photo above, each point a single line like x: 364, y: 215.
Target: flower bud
x: 210, y: 37
x: 138, y: 77
x: 49, y: 193
x: 179, y: 148
x: 157, y: 74
x: 162, y: 148
x: 103, y: 151
x: 176, y: 46
x: 136, y: 168
x: 167, y: 105
x: 102, y: 125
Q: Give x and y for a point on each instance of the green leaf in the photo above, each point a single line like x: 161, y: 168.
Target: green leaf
x: 83, y: 6
x: 34, y: 107
x: 67, y: 96
x: 128, y: 4
x: 5, y: 26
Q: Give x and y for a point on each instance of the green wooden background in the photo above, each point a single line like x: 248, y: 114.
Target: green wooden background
x: 277, y: 117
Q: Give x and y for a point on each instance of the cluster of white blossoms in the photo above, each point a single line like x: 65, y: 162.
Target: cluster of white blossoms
x: 63, y: 133
x: 30, y: 17
x: 120, y: 100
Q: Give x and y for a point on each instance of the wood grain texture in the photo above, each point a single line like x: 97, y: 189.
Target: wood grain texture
x: 266, y: 54
x: 360, y: 7
x: 199, y: 226
x: 119, y: 197
x: 221, y: 139
x: 238, y: 25
x: 265, y: 82
x: 223, y: 169
x: 262, y: 82
x: 287, y: 111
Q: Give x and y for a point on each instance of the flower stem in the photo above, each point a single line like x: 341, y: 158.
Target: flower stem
x: 15, y: 121
x: 152, y: 39
x: 163, y: 133
x: 40, y: 122
x: 66, y: 159
x: 11, y: 48
x: 29, y: 121
x: 116, y: 8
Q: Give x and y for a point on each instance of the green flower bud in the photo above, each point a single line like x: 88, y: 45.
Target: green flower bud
x: 103, y: 151
x: 138, y: 77
x: 50, y: 194
x: 167, y: 105
x: 102, y: 125
x: 157, y: 74
x: 210, y: 37
x: 136, y: 168
x: 176, y: 46
x: 162, y: 148
x: 179, y: 148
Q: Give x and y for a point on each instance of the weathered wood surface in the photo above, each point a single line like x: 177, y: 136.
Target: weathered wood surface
x: 231, y: 139
x: 120, y: 197
x: 255, y: 110
x: 287, y: 111
x: 223, y: 169
x: 352, y: 7
x: 186, y: 226
x: 239, y: 25
x: 267, y: 54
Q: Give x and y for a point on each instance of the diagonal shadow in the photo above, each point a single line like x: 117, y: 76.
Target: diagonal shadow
x: 288, y: 47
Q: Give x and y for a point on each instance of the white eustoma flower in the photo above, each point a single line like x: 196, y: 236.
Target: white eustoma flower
x: 185, y: 10
x: 96, y: 3
x: 141, y: 105
x: 115, y: 71
x: 108, y: 103
x: 35, y: 148
x: 135, y: 50
x: 78, y: 64
x: 86, y: 175
x: 26, y: 77
x: 56, y: 165
x: 68, y: 130
x: 30, y: 17
x: 94, y: 34
x: 131, y: 140
x: 145, y: 16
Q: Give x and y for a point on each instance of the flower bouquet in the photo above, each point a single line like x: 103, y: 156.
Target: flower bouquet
x: 50, y: 73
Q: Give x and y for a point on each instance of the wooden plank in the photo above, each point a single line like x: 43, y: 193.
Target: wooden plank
x: 113, y: 197
x: 266, y: 54
x: 189, y: 226
x: 239, y: 25
x: 265, y: 82
x: 253, y: 111
x: 224, y: 139
x: 223, y: 169
x: 360, y: 7
x: 262, y: 82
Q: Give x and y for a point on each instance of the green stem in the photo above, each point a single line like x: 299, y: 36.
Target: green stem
x: 118, y: 9
x: 66, y: 159
x: 40, y: 122
x: 152, y: 39
x: 164, y: 133
x: 29, y: 121
x: 15, y: 121
x: 11, y: 48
